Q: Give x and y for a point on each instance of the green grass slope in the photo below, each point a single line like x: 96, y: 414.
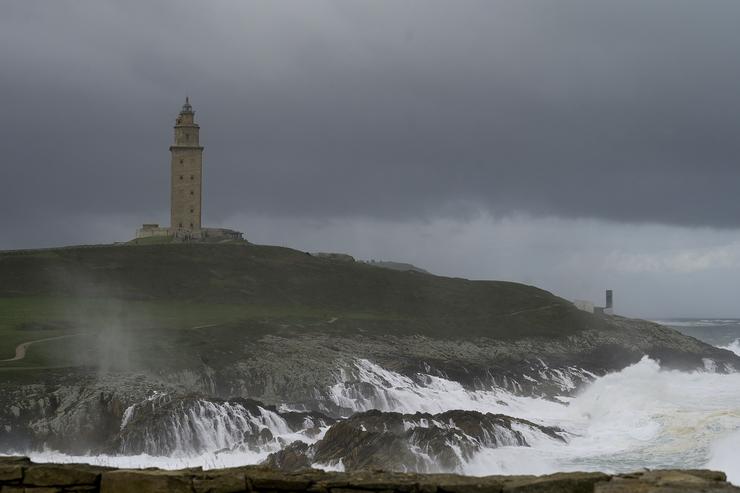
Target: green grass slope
x: 253, y: 313
x: 196, y: 283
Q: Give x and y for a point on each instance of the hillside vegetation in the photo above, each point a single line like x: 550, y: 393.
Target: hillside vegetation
x: 173, y: 307
x: 246, y: 281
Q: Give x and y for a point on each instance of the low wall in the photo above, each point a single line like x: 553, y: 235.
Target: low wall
x: 19, y: 475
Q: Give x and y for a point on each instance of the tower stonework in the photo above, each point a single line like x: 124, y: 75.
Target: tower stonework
x: 186, y: 190
x: 186, y: 173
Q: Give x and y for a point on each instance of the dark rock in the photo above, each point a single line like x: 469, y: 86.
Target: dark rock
x: 668, y: 481
x: 272, y: 480
x: 577, y: 482
x: 264, y: 480
x: 149, y: 481
x: 294, y: 457
x: 472, y: 487
x: 708, y: 475
x: 224, y: 481
x: 10, y: 472
x: 62, y: 475
x: 12, y: 489
x: 381, y: 481
x: 15, y: 460
x: 391, y: 441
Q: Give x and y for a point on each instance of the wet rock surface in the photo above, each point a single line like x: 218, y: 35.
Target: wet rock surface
x: 81, y: 410
x: 30, y: 477
x: 420, y: 442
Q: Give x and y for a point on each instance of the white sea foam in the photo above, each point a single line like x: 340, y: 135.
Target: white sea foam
x: 209, y: 460
x: 733, y: 346
x: 192, y: 427
x: 394, y: 392
x: 723, y: 457
x: 330, y: 467
x: 638, y: 417
x: 708, y: 322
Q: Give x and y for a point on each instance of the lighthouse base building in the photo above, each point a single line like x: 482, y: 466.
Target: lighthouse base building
x: 186, y: 188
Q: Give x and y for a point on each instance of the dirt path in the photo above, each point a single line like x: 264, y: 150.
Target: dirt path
x: 540, y: 308
x: 202, y: 326
x: 20, y: 350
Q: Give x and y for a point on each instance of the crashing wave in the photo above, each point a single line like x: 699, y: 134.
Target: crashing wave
x: 364, y: 385
x: 420, y: 442
x: 733, y: 346
x: 642, y: 415
x: 189, y: 426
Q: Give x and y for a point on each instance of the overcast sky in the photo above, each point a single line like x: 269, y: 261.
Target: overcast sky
x: 577, y: 145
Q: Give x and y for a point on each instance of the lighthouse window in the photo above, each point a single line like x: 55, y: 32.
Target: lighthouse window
x: 181, y: 161
x: 191, y: 225
x: 191, y: 192
x: 181, y: 225
x: 181, y: 177
x: 192, y: 177
x: 191, y: 211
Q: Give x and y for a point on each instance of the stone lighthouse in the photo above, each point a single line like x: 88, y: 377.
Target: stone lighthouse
x: 186, y: 174
x: 186, y: 189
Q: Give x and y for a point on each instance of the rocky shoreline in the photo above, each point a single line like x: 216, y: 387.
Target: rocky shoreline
x: 77, y: 410
x: 180, y: 352
x: 19, y: 474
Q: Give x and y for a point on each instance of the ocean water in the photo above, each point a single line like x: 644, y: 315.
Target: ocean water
x: 640, y: 417
x: 721, y: 332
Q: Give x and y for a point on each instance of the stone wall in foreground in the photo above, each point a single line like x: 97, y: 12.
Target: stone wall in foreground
x: 19, y: 475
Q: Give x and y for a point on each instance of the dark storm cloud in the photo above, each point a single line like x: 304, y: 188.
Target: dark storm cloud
x: 622, y: 110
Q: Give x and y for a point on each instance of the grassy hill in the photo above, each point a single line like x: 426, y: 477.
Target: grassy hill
x: 46, y: 294
x: 253, y: 280
x: 180, y: 306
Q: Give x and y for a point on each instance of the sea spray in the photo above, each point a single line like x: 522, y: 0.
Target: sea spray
x: 188, y: 427
x: 734, y: 346
x: 724, y: 457
x: 639, y: 417
x: 419, y: 442
x: 366, y: 385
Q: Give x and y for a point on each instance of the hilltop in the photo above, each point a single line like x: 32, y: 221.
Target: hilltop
x: 397, y: 266
x: 290, y: 283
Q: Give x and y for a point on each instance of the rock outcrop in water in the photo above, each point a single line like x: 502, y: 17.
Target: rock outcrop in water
x: 418, y: 442
x: 18, y: 474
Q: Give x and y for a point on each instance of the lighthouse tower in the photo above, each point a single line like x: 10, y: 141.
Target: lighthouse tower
x: 186, y: 190
x: 186, y: 174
